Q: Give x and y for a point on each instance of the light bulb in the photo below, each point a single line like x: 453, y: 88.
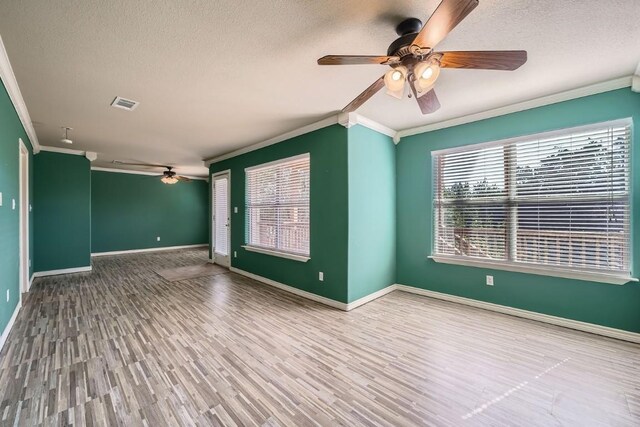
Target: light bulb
x: 169, y: 179
x: 394, y: 81
x: 427, y: 73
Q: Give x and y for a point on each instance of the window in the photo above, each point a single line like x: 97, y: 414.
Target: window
x: 277, y: 202
x: 558, y: 201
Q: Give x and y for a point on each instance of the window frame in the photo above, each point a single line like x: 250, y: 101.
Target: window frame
x: 295, y: 256
x: 617, y: 278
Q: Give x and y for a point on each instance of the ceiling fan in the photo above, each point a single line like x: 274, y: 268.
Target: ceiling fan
x: 413, y: 60
x: 168, y: 176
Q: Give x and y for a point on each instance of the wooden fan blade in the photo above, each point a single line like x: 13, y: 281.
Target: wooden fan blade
x: 428, y: 102
x: 356, y: 60
x: 364, y: 96
x: 447, y: 15
x: 484, y: 59
x: 182, y: 178
x: 150, y: 165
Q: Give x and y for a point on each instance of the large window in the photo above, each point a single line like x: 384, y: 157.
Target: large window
x: 277, y: 202
x: 558, y: 200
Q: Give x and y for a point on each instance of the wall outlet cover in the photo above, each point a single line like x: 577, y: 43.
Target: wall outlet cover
x: 235, y: 254
x: 158, y: 238
x: 7, y: 295
x: 489, y: 280
x: 321, y: 276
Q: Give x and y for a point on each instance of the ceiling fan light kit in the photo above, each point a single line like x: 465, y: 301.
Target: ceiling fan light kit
x: 412, y: 57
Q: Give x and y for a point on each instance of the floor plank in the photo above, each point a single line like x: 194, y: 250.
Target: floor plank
x: 123, y: 346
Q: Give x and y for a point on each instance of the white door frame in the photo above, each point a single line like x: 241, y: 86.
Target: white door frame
x: 23, y: 213
x: 221, y: 260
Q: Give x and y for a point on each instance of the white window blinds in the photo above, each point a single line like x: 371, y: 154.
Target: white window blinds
x: 277, y: 205
x: 559, y: 199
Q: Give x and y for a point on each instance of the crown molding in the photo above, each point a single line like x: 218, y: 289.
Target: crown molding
x: 136, y: 172
x: 580, y: 92
x: 11, y: 84
x: 331, y: 120
x: 90, y: 155
x: 344, y: 119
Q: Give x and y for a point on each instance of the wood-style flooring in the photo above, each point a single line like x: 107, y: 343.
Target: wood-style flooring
x: 123, y: 346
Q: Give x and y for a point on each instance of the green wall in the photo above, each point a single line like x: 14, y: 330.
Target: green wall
x: 62, y: 211
x: 329, y: 213
x: 11, y: 130
x: 130, y: 211
x: 603, y: 304
x: 372, y: 212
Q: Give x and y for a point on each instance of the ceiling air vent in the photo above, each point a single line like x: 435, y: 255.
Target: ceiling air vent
x: 125, y: 104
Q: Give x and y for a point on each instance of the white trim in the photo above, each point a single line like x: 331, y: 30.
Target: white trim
x: 135, y: 251
x: 62, y: 271
x: 558, y: 321
x: 344, y: 119
x: 542, y: 270
x: 308, y: 295
x: 135, y: 172
x: 278, y: 162
x: 368, y: 298
x: 635, y: 85
x: 286, y: 255
x: 63, y: 150
x: 22, y: 212
x: 331, y: 120
x: 594, y: 89
x: 31, y: 280
x: 226, y: 260
x: 627, y: 121
x: 7, y: 329
x: 349, y: 120
x: 11, y: 84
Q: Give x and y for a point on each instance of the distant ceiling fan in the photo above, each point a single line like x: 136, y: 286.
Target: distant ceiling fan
x: 168, y: 176
x: 414, y: 60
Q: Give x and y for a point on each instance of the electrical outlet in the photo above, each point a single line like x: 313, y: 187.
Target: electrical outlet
x: 7, y: 295
x: 235, y: 254
x: 158, y: 238
x: 321, y: 276
x: 489, y: 280
x: 0, y: 198
x: 235, y: 209
x: 13, y: 204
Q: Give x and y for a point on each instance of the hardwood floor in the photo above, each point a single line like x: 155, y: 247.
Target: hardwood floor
x: 122, y: 346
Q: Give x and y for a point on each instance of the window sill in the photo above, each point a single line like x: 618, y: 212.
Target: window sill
x: 614, y: 279
x: 294, y: 257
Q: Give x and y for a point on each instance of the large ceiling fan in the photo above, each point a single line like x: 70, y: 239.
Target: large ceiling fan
x: 414, y: 61
x: 168, y: 176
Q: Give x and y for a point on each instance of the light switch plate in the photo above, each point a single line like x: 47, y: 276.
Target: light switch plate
x: 321, y: 276
x: 158, y: 238
x: 235, y: 209
x: 13, y: 204
x: 0, y: 198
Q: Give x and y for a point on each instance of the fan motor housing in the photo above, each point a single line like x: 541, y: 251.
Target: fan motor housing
x: 407, y: 30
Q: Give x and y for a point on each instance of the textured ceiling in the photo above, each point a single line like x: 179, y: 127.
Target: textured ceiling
x: 212, y: 77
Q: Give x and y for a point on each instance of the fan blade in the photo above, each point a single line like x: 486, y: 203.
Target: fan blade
x: 447, y: 15
x: 428, y: 102
x: 118, y: 162
x: 484, y: 59
x: 355, y: 60
x: 182, y: 178
x: 364, y: 96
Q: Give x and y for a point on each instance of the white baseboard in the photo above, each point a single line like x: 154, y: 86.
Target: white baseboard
x: 135, y: 251
x: 31, y: 280
x: 558, y: 321
x: 7, y: 329
x: 61, y: 271
x: 323, y: 300
x: 368, y: 298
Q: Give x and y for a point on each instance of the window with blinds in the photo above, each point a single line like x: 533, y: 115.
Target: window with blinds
x: 277, y: 205
x: 559, y: 200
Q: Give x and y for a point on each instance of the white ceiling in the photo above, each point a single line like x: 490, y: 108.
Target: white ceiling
x: 212, y: 77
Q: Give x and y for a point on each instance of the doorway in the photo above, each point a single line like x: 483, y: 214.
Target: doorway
x: 221, y: 218
x: 24, y: 218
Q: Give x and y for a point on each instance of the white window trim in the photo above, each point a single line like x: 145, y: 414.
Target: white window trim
x: 280, y: 254
x: 279, y: 161
x: 592, y: 276
x: 540, y: 269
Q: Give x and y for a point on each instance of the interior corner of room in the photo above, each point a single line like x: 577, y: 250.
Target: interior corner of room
x: 506, y: 200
